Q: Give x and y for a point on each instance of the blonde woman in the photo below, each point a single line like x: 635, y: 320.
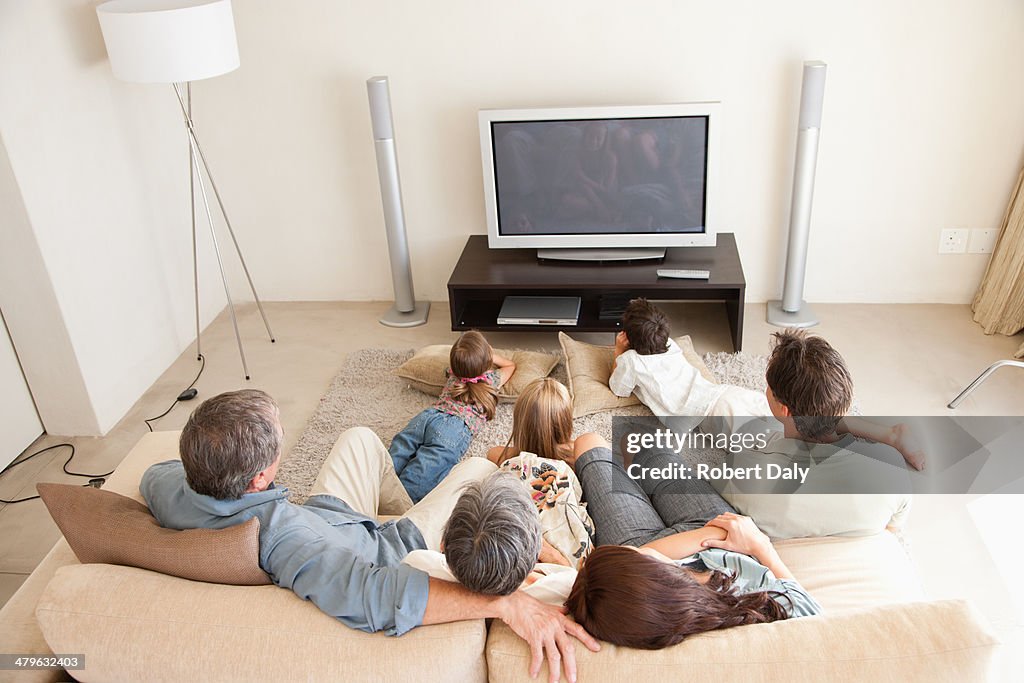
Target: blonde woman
x: 540, y: 452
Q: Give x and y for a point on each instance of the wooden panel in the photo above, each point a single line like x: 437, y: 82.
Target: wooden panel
x: 483, y: 277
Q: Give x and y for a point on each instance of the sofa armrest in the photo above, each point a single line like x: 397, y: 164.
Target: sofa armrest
x: 135, y: 625
x: 19, y: 631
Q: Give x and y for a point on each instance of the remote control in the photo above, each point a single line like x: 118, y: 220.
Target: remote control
x: 684, y: 274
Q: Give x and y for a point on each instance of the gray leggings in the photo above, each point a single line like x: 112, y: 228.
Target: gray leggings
x: 636, y: 511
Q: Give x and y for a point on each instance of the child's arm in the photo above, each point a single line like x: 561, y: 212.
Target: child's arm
x: 622, y: 380
x: 499, y: 454
x: 899, y: 436
x: 621, y: 346
x: 550, y: 555
x: 686, y: 543
x: 506, y: 368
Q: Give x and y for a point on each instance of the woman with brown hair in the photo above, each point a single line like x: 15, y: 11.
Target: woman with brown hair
x: 673, y: 560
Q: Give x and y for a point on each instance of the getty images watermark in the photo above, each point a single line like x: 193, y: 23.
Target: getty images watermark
x: 976, y: 455
x: 666, y: 440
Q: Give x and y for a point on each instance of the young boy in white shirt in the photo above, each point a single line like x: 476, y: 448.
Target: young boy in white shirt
x: 651, y: 365
x: 809, y: 388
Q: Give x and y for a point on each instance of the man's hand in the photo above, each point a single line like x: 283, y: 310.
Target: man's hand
x: 741, y: 535
x: 548, y: 632
x: 549, y: 554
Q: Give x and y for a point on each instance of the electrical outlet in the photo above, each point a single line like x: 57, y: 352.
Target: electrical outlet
x: 953, y: 241
x: 982, y: 241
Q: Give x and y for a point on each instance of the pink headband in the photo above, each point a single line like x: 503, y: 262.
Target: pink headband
x: 472, y: 380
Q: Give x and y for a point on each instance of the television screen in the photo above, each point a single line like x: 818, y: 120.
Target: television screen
x: 598, y: 176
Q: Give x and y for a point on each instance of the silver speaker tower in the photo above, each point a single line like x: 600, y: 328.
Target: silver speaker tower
x: 407, y: 312
x: 792, y: 311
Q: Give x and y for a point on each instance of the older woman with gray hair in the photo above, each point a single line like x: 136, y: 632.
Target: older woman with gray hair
x: 493, y: 537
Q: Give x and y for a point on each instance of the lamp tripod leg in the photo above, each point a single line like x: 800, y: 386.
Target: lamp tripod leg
x: 231, y: 231
x: 220, y: 265
x: 192, y: 170
x: 238, y: 249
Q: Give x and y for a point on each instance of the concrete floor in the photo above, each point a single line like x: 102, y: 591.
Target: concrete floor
x: 905, y: 360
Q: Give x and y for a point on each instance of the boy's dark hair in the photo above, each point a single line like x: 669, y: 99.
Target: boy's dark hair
x: 646, y: 327
x: 810, y: 378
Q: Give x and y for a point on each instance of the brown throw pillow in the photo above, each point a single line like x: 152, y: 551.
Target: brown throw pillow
x: 425, y: 370
x: 590, y: 366
x: 108, y: 528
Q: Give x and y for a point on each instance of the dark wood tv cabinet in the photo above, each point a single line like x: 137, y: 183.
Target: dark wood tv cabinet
x: 483, y: 277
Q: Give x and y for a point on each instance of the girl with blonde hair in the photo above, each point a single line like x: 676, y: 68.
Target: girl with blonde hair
x: 540, y: 452
x: 426, y: 450
x: 541, y: 423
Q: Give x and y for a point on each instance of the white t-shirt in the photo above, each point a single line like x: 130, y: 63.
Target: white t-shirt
x: 664, y: 382
x: 557, y: 493
x: 550, y: 583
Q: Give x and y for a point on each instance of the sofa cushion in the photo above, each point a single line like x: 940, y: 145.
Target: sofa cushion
x: 850, y: 573
x: 425, y: 370
x: 105, y: 527
x: 137, y: 625
x: 590, y: 366
x: 922, y: 641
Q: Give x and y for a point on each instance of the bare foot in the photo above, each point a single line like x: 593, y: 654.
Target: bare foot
x: 906, y: 442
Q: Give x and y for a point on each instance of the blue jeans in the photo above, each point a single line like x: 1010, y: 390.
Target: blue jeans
x: 427, y: 449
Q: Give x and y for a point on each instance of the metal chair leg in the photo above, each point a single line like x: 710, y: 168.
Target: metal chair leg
x: 981, y: 378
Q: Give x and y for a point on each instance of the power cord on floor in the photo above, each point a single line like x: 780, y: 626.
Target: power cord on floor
x: 95, y: 480
x: 187, y: 394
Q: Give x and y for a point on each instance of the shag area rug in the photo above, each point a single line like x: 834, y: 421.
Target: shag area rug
x: 365, y: 392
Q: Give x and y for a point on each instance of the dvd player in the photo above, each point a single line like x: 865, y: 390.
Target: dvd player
x: 540, y: 310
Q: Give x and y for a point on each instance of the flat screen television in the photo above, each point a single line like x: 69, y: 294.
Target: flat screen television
x: 601, y: 180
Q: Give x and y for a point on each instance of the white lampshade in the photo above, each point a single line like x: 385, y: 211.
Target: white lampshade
x: 169, y: 41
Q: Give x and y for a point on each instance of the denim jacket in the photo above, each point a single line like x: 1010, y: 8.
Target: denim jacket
x: 347, y: 564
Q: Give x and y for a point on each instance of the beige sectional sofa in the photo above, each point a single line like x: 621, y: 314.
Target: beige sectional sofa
x: 134, y: 625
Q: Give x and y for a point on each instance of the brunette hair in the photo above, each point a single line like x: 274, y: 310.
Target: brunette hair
x: 542, y: 419
x: 628, y: 598
x: 471, y: 357
x: 646, y: 327
x: 810, y: 378
x: 228, y: 440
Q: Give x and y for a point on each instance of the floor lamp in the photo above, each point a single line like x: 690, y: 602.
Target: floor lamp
x: 177, y: 42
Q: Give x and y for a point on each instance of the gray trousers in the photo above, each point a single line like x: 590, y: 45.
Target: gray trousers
x: 630, y: 511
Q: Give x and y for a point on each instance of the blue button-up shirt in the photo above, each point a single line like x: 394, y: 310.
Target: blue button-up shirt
x: 347, y: 564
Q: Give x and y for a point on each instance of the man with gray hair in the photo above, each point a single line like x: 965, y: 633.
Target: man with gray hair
x: 332, y: 550
x: 493, y: 537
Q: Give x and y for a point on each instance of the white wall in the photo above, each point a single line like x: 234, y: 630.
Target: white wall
x: 102, y: 170
x: 35, y: 321
x: 921, y: 132
x: 921, y: 127
x: 19, y: 421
